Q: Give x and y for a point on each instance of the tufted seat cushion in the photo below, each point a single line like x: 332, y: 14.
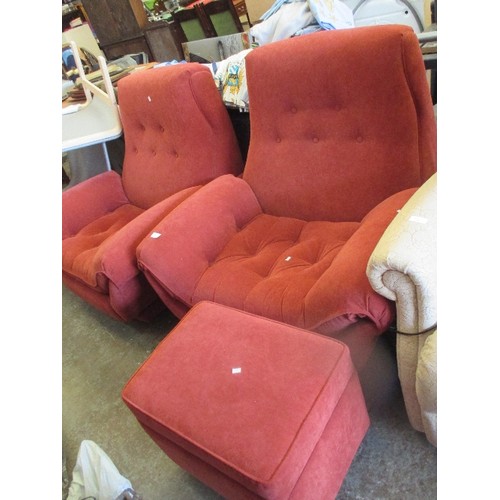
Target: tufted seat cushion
x: 267, y: 256
x: 308, y: 274
x: 81, y: 255
x: 273, y: 264
x: 99, y: 262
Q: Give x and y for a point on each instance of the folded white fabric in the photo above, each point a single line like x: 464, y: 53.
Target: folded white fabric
x: 275, y: 7
x: 284, y: 23
x: 331, y: 14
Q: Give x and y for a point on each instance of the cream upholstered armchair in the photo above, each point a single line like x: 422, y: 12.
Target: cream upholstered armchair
x: 403, y: 268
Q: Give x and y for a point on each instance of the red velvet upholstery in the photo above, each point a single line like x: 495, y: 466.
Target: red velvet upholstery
x: 339, y: 121
x: 223, y: 427
x: 178, y: 136
x: 342, y: 133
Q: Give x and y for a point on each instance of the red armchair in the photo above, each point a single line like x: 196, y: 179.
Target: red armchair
x: 342, y: 134
x: 178, y: 136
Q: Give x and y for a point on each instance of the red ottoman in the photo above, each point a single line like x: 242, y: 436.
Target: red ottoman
x: 251, y: 407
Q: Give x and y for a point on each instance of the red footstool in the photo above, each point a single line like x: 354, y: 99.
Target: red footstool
x: 251, y: 407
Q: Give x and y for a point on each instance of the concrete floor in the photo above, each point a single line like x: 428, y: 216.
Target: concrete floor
x: 99, y: 355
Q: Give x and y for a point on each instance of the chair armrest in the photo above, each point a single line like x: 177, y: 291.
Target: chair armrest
x: 119, y: 261
x: 344, y: 286
x: 89, y: 200
x: 403, y: 268
x: 213, y: 214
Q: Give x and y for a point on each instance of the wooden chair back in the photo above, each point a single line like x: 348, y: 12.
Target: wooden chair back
x: 221, y: 17
x: 193, y: 24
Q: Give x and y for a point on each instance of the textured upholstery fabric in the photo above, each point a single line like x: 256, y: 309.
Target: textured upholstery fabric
x: 178, y: 136
x: 191, y: 238
x: 426, y: 385
x: 213, y: 387
x: 335, y: 150
x: 177, y: 133
x: 339, y: 121
x: 403, y: 268
x: 301, y: 273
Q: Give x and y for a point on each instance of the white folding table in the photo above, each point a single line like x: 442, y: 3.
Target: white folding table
x: 86, y: 127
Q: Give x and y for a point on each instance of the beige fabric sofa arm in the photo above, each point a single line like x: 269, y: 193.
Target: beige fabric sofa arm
x: 403, y: 269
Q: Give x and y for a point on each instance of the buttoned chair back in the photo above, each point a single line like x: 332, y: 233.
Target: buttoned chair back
x: 339, y: 123
x: 177, y: 133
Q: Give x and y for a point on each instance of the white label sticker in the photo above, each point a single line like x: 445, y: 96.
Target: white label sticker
x: 155, y: 235
x: 288, y: 258
x: 236, y: 370
x: 149, y: 98
x: 416, y: 218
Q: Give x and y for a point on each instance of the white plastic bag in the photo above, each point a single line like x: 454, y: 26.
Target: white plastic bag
x: 96, y: 476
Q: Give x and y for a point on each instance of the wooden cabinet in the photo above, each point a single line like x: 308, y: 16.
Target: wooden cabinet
x: 118, y: 25
x: 122, y: 27
x: 115, y: 20
x: 164, y: 40
x: 124, y: 47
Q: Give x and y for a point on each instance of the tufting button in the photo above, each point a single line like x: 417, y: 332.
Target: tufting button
x: 294, y: 109
x: 337, y: 107
x: 278, y: 139
x: 162, y: 129
x: 315, y: 139
x: 359, y: 138
x: 153, y: 153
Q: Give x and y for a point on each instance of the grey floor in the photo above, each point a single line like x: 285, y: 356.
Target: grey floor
x: 99, y: 355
